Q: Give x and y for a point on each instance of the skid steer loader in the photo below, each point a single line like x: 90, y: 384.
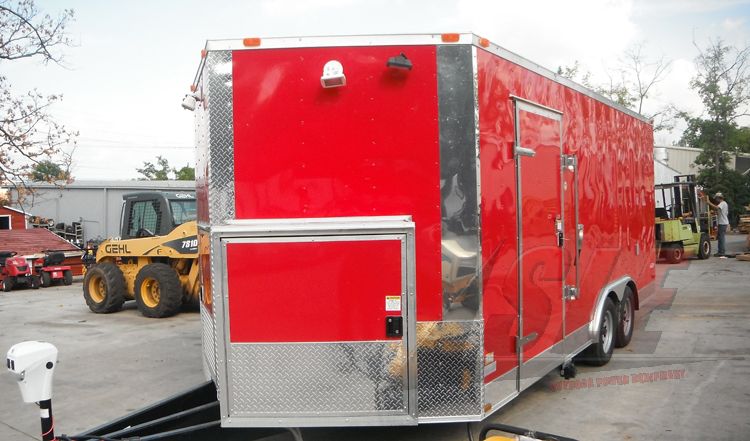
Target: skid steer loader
x: 154, y: 261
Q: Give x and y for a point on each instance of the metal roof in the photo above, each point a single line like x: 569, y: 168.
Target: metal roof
x: 120, y: 185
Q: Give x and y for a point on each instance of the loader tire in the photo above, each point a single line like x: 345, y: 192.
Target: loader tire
x: 67, y: 277
x: 8, y: 284
x: 704, y: 247
x: 46, y: 279
x: 104, y: 288
x: 600, y: 352
x: 626, y: 323
x: 158, y: 292
x: 35, y: 282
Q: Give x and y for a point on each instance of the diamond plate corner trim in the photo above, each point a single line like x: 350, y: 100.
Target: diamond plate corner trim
x: 221, y: 137
x: 317, y: 379
x: 450, y: 372
x: 218, y: 293
x: 208, y: 338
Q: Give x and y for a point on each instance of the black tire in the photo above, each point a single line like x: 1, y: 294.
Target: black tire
x: 35, y: 282
x: 67, y: 277
x: 158, y: 292
x: 674, y: 253
x: 104, y: 288
x: 46, y: 279
x: 626, y: 319
x: 8, y: 284
x: 704, y: 247
x: 600, y: 353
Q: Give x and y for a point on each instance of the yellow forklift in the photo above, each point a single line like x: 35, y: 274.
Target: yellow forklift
x: 683, y: 220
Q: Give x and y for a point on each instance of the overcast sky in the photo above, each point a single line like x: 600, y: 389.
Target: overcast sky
x: 134, y: 60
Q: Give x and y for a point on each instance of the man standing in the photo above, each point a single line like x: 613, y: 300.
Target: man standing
x: 722, y: 214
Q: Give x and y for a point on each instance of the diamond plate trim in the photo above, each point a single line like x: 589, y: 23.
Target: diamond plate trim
x: 201, y: 156
x: 317, y: 379
x: 208, y: 338
x: 221, y: 137
x: 449, y: 368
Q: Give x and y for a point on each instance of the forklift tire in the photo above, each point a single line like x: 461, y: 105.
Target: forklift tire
x: 8, y: 284
x: 704, y: 247
x: 67, y: 277
x: 46, y: 279
x: 35, y: 282
x: 674, y: 253
x: 158, y: 292
x: 626, y: 321
x: 104, y: 288
x: 600, y: 353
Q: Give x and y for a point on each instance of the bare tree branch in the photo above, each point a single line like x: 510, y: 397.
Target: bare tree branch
x: 29, y: 135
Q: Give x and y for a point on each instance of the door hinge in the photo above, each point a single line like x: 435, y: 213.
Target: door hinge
x: 570, y: 292
x: 526, y: 339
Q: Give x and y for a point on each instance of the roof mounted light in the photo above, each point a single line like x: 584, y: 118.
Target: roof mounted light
x: 333, y: 75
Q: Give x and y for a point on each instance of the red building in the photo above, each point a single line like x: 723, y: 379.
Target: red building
x: 12, y: 219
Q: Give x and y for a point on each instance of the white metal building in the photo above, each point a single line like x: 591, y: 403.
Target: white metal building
x: 96, y: 204
x: 682, y: 159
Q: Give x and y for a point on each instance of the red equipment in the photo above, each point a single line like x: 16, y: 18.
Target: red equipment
x: 50, y: 271
x: 16, y: 272
x: 409, y: 229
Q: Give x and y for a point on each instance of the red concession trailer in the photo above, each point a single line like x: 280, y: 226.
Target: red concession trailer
x: 408, y: 229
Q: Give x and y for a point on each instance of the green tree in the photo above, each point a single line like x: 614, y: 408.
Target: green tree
x: 162, y: 171
x: 723, y: 84
x: 28, y: 133
x: 49, y: 171
x: 158, y: 172
x: 185, y: 173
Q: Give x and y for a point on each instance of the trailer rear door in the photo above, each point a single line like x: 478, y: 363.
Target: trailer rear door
x: 318, y: 329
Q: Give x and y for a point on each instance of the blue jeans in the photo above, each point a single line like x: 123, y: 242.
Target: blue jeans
x: 721, y: 237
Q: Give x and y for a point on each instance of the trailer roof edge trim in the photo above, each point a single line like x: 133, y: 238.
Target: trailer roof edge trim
x: 414, y: 40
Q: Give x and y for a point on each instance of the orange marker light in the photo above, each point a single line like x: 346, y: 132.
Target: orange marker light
x: 203, y: 53
x: 449, y: 38
x: 193, y: 88
x: 484, y: 42
x: 251, y: 42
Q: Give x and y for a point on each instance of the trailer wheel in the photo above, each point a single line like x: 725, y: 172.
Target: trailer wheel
x: 674, y: 253
x: 704, y: 247
x: 600, y: 353
x: 158, y: 292
x: 104, y: 288
x: 46, y: 279
x: 8, y: 284
x: 627, y: 319
x: 67, y: 277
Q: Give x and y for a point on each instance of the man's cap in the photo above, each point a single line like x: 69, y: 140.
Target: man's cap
x: 719, y: 195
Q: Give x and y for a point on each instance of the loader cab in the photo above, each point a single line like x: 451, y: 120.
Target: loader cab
x: 155, y: 213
